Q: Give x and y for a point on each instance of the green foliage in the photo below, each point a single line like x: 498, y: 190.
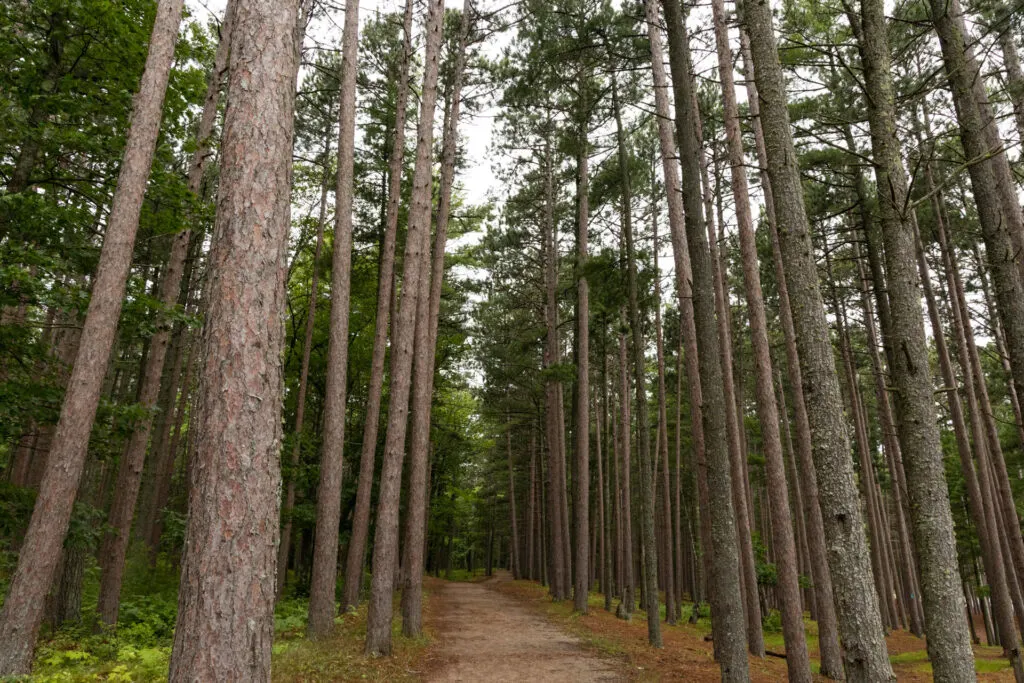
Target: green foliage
x: 772, y: 621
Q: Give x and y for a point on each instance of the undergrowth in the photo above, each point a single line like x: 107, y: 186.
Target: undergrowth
x: 139, y: 649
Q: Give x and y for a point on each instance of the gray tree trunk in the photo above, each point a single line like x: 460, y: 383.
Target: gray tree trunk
x: 949, y: 646
x: 825, y: 610
x: 982, y: 510
x: 860, y: 623
x: 727, y: 608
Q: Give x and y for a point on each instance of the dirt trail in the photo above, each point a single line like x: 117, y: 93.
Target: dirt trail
x: 486, y: 636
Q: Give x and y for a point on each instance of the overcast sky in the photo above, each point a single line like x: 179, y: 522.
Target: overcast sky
x: 477, y: 179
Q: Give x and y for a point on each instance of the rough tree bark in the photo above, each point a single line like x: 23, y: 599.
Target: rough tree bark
x: 581, y: 477
x: 999, y: 211
x: 415, y: 272
x: 949, y: 645
x: 559, y: 579
x: 225, y: 623
x: 730, y: 640
x: 661, y: 449
x: 982, y: 511
x: 825, y: 610
x: 680, y: 251
x: 623, y: 488
x: 356, y: 557
x: 860, y: 623
x: 22, y: 611
x: 328, y: 495
x: 741, y: 498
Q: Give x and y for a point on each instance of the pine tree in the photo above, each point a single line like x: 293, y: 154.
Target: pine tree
x: 328, y: 499
x: 727, y: 608
x: 860, y: 625
x: 225, y: 623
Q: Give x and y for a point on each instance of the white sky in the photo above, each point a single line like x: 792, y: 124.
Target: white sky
x: 477, y: 178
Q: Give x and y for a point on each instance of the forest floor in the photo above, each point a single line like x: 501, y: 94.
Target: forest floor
x: 476, y: 629
x: 485, y: 635
x: 687, y: 654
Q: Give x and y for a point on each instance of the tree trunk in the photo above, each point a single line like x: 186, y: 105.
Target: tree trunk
x: 559, y: 581
x: 517, y: 571
x: 661, y: 451
x: 414, y: 278
x: 300, y: 399
x: 680, y: 251
x: 356, y: 557
x: 726, y: 605
x: 328, y: 494
x: 650, y: 551
x: 114, y: 547
x: 741, y: 498
x: 999, y: 211
x: 980, y: 507
x: 225, y: 623
x: 860, y: 621
x: 788, y: 587
x: 949, y: 647
x: 625, y: 526
x: 427, y: 314
x: 908, y: 568
x: 581, y: 478
x: 22, y: 611
x: 877, y: 534
x: 825, y: 613
x: 604, y: 540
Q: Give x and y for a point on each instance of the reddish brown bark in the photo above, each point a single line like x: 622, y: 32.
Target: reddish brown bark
x: 788, y: 587
x: 129, y: 475
x: 225, y: 623
x: 666, y: 553
x: 427, y: 316
x: 726, y: 604
x: 825, y: 612
x: 627, y: 599
x: 683, y: 275
x: 581, y: 476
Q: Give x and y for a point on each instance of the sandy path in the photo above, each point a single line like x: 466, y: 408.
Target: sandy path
x: 487, y: 636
